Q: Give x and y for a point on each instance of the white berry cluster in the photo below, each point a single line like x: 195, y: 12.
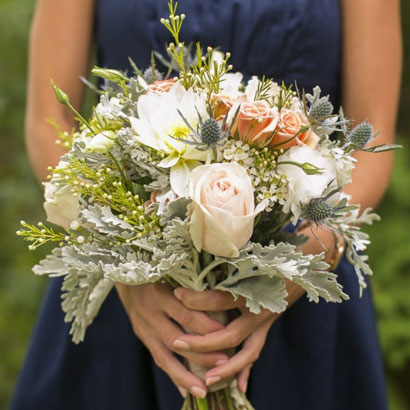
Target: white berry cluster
x: 260, y: 164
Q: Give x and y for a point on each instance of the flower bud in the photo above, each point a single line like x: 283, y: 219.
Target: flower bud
x: 114, y: 76
x: 101, y: 143
x: 74, y: 225
x: 62, y: 97
x: 310, y: 169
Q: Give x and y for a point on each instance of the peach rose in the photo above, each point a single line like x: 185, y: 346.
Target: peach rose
x: 221, y: 104
x: 255, y: 122
x: 290, y: 123
x: 223, y: 209
x: 162, y: 86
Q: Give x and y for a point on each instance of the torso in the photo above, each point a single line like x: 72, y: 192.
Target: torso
x: 289, y: 40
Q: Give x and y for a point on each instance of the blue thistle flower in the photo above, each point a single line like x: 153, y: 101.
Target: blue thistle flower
x: 151, y: 74
x: 318, y: 210
x: 210, y: 132
x: 321, y: 110
x: 360, y: 135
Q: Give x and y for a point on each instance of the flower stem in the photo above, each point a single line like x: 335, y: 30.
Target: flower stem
x: 121, y: 171
x: 180, y: 278
x: 227, y: 394
x: 307, y: 167
x: 207, y: 269
x: 202, y: 403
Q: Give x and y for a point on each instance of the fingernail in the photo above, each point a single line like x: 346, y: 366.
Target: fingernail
x: 220, y: 362
x: 182, y: 391
x: 212, y: 380
x: 180, y: 344
x: 198, y: 392
x: 178, y: 293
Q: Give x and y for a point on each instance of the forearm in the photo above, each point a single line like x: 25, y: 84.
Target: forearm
x: 371, y: 69
x: 41, y: 145
x: 59, y: 49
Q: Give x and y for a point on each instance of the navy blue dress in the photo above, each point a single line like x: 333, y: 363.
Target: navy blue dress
x: 317, y: 356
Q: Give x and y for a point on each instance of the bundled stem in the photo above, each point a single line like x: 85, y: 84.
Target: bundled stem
x: 229, y: 398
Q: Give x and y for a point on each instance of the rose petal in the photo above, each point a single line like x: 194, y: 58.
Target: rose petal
x: 222, y: 212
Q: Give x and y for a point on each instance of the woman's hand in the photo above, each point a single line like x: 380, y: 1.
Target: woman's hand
x: 152, y: 310
x: 249, y: 329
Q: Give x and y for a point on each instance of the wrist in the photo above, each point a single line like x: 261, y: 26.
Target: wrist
x: 337, y: 251
x: 324, y: 240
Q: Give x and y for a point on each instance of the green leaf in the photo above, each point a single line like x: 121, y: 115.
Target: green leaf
x: 382, y: 148
x: 141, y: 192
x: 114, y: 76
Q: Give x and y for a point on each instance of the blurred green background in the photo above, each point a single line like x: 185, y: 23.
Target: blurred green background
x: 20, y: 196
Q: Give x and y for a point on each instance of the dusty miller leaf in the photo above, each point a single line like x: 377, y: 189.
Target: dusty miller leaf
x: 348, y: 225
x: 175, y: 209
x: 258, y: 275
x: 318, y: 282
x: 102, y: 221
x: 83, y: 295
x: 134, y: 270
x: 52, y: 265
x: 260, y: 292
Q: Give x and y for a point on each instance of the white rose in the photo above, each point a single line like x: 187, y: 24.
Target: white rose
x: 101, y: 143
x: 60, y: 204
x: 223, y: 208
x: 301, y: 186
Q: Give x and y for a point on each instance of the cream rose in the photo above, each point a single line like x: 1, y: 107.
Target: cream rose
x: 290, y: 123
x: 255, y: 123
x: 60, y: 204
x: 223, y: 208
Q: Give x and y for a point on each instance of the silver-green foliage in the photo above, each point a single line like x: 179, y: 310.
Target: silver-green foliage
x: 258, y: 273
x: 357, y: 240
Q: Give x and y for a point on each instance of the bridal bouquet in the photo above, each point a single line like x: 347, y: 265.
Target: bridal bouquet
x: 190, y: 179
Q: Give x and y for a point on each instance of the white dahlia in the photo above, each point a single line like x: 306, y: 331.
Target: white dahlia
x: 160, y: 126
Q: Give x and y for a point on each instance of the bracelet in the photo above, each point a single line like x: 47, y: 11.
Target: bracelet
x: 338, y: 251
